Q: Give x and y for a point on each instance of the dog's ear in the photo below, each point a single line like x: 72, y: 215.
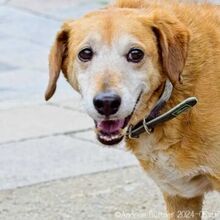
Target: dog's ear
x: 57, y: 57
x: 172, y: 41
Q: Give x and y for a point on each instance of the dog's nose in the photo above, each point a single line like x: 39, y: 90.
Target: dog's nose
x: 107, y: 103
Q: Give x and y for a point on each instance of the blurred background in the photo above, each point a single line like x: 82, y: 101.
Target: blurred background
x: 51, y: 167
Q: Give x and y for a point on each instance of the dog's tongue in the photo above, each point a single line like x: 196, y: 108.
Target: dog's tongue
x: 110, y: 126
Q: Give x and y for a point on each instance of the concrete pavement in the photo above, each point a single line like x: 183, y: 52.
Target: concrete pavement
x: 51, y: 165
x: 120, y: 194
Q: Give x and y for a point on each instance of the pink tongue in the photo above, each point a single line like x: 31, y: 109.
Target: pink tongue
x: 110, y: 126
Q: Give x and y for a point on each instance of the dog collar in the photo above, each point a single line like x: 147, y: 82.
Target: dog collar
x: 153, y: 119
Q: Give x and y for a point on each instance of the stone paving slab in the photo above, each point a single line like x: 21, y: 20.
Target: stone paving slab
x: 76, y: 104
x: 31, y: 56
x: 86, y: 136
x: 103, y: 196
x: 37, y: 121
x: 4, y: 67
x: 45, y: 159
x: 27, y: 26
x: 25, y: 85
x: 2, y: 1
x: 28, y: 83
x: 61, y: 10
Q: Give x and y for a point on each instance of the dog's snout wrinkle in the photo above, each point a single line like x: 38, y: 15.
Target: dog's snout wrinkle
x: 107, y: 103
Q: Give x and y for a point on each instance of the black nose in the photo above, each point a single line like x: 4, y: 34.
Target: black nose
x: 107, y: 103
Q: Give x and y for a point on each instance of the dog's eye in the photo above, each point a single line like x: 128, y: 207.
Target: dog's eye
x: 135, y: 55
x: 86, y: 55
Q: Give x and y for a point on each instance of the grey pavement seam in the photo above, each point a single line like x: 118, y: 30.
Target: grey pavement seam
x: 81, y: 139
x: 44, y: 183
x: 68, y: 133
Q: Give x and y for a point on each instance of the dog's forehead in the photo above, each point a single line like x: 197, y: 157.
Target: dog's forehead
x: 109, y: 24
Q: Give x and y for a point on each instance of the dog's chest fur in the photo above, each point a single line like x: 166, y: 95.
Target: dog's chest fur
x: 162, y: 168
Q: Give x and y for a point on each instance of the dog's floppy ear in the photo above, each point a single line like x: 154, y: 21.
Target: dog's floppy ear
x: 57, y: 56
x: 173, y: 40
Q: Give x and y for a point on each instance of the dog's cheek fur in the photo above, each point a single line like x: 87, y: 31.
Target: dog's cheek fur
x: 71, y: 73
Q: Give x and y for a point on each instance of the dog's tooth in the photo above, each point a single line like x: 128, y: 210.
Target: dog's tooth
x: 106, y: 138
x: 102, y: 136
x: 110, y: 138
x: 114, y: 137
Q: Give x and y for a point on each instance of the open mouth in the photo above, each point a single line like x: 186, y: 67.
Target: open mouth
x: 111, y: 132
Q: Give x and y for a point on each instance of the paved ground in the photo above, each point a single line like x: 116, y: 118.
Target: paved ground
x: 51, y: 165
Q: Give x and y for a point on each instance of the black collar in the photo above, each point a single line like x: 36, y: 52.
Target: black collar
x: 153, y: 119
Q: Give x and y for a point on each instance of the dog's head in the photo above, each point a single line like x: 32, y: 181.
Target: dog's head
x: 115, y: 57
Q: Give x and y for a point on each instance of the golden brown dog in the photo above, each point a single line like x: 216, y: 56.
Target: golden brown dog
x: 119, y: 58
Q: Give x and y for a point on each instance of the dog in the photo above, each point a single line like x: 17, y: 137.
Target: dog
x: 121, y: 59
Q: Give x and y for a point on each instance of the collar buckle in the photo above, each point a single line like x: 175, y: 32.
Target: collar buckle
x: 146, y: 127
x: 129, y: 133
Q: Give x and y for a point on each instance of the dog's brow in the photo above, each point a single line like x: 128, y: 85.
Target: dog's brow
x: 93, y: 39
x: 126, y: 42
